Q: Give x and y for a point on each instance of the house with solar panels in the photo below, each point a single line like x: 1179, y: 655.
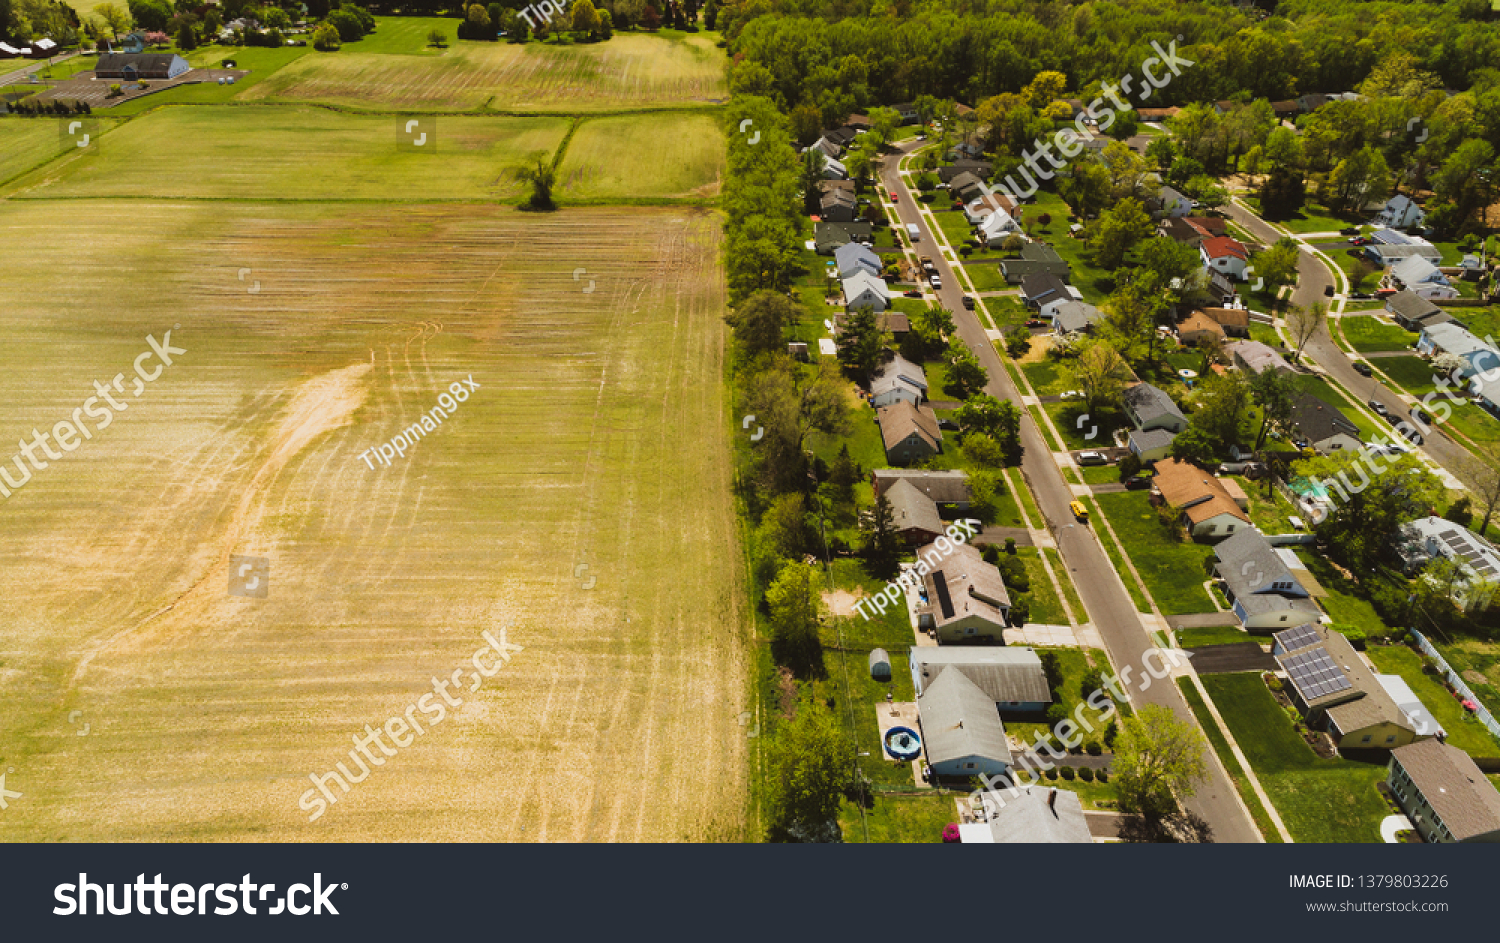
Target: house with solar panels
x: 1425, y: 538
x: 1336, y: 692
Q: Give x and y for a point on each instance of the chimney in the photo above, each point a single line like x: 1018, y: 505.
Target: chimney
x: 1052, y: 800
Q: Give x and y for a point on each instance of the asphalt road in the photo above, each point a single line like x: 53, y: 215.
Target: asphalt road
x: 1313, y: 279
x: 1109, y: 606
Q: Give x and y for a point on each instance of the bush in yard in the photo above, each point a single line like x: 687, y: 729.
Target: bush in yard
x: 326, y: 38
x: 1086, y: 774
x: 1130, y: 466
x: 1068, y: 773
x: 1020, y: 612
x: 950, y: 833
x: 1094, y: 749
x: 1110, y: 732
x: 1013, y: 570
x: 1051, y: 773
x: 1018, y: 342
x: 1010, y: 546
x: 1272, y: 682
x: 1102, y: 775
x: 1057, y: 713
x: 990, y: 553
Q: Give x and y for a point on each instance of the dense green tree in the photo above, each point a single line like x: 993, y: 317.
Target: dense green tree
x: 1372, y: 495
x: 1159, y: 759
x: 1118, y: 231
x: 811, y: 765
x: 759, y: 321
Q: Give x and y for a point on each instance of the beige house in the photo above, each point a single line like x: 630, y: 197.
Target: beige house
x: 1209, y: 511
x: 966, y: 597
x: 910, y: 432
x: 1444, y: 793
x: 1335, y: 691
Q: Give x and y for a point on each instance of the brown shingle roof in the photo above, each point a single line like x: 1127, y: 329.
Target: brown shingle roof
x: 1198, y: 321
x: 1229, y: 317
x: 1199, y: 494
x: 901, y: 419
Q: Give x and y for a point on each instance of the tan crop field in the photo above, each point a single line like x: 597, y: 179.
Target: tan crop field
x: 630, y: 71
x: 580, y: 496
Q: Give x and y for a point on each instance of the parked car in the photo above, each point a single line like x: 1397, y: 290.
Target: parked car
x: 1035, y: 322
x: 1349, y: 231
x: 1070, y: 394
x: 948, y: 424
x: 1409, y: 433
x: 1362, y: 368
x: 1360, y: 241
x: 1328, y: 290
x: 937, y: 280
x: 1379, y: 408
x: 1421, y: 415
x: 1137, y: 482
x: 894, y: 197
x: 968, y: 302
x: 1383, y: 448
x: 1092, y: 458
x: 914, y: 293
x: 1079, y: 511
x: 1361, y: 296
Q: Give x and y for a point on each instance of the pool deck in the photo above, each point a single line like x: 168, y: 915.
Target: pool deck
x: 901, y: 714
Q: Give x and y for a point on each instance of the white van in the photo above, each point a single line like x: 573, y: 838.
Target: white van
x: 913, y: 231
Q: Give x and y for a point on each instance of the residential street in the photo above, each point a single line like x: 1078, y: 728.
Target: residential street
x: 1109, y: 606
x: 1313, y: 278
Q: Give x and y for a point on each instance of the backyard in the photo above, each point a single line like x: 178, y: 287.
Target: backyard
x: 1367, y: 333
x: 1319, y: 800
x: 1464, y: 731
x: 1172, y: 570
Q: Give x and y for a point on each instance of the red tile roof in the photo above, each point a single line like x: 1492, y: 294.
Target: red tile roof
x: 1219, y: 246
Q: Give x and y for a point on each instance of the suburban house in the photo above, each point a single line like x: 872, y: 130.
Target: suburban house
x: 1044, y: 293
x: 1400, y: 212
x: 910, y: 432
x: 863, y: 290
x: 967, y: 187
x: 827, y: 148
x: 1037, y: 816
x: 914, y: 515
x: 838, y: 205
x: 834, y: 170
x: 827, y: 237
x: 1150, y: 408
x: 1220, y: 287
x: 1416, y: 712
x: 1156, y: 114
x: 949, y: 489
x: 1037, y: 258
x: 1224, y: 255
x: 1471, y: 267
x: 966, y: 599
x: 1198, y: 328
x: 132, y: 67
x: 1335, y: 691
x: 1444, y: 793
x: 1208, y: 509
x: 894, y: 323
x: 1011, y: 676
x: 1170, y: 203
x: 961, y: 731
x: 1178, y: 228
x: 997, y: 225
x: 979, y: 168
x: 1422, y: 278
x: 1450, y: 338
x: 1234, y: 321
x: 1076, y: 317
x: 1262, y: 590
x: 1486, y: 392
x: 908, y: 112
x: 977, y: 209
x: 1426, y: 538
x: 1387, y: 247
x: 1413, y: 312
x: 1322, y: 426
x: 1151, y: 445
x: 851, y: 257
x: 898, y: 380
x: 1254, y: 357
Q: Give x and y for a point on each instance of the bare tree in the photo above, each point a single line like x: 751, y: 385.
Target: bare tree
x: 1302, y: 323
x: 1482, y: 471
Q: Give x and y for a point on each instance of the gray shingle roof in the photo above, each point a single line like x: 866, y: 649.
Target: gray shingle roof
x: 1148, y: 402
x: 1077, y: 315
x: 1317, y: 420
x: 1453, y: 785
x: 959, y: 720
x: 1040, y: 816
x: 1251, y: 568
x: 1410, y: 305
x: 944, y: 487
x: 1004, y: 674
x: 911, y: 509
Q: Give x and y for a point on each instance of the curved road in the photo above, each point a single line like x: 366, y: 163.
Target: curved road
x: 1109, y: 606
x: 1313, y: 279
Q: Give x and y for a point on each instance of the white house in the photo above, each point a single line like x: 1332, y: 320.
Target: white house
x: 834, y: 170
x: 1400, y: 212
x: 997, y: 226
x: 896, y: 380
x: 1173, y: 204
x: 1449, y: 338
x: 853, y: 257
x: 1479, y: 565
x: 863, y: 290
x: 1423, y: 279
x: 1224, y: 255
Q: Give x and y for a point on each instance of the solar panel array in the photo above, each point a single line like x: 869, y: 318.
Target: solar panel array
x: 1466, y: 550
x: 1300, y: 637
x: 1316, y: 674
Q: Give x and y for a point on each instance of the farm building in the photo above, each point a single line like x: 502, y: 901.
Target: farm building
x: 134, y: 66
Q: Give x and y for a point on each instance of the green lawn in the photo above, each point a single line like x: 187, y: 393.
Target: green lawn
x: 1312, y: 218
x: 260, y: 61
x: 900, y: 819
x: 1212, y: 635
x: 1047, y: 377
x: 1266, y: 334
x: 956, y: 229
x: 1319, y: 800
x: 1334, y: 396
x: 1368, y: 333
x: 1071, y: 667
x: 645, y: 155
x: 1268, y: 514
x: 1464, y: 732
x: 1345, y: 603
x: 1082, y: 429
x: 1016, y: 484
x: 1476, y: 655
x: 1100, y: 474
x: 1066, y: 579
x: 1046, y: 608
x: 1006, y: 312
x: 1412, y: 374
x: 1231, y: 763
x: 986, y: 276
x: 1117, y: 559
x: 1094, y: 282
x: 1173, y: 571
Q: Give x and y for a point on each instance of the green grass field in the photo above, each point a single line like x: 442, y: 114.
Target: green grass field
x: 657, y: 155
x: 1412, y: 374
x: 632, y: 70
x: 1227, y: 758
x: 299, y: 153
x: 1463, y: 730
x: 26, y: 143
x: 1173, y: 571
x: 1319, y: 800
x: 1368, y: 333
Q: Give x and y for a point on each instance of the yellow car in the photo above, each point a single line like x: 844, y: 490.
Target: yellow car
x: 1079, y: 511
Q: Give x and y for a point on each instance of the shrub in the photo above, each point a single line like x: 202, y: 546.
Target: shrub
x: 1010, y: 546
x: 1013, y: 569
x: 1102, y: 775
x: 950, y: 833
x: 325, y: 38
x: 1272, y: 682
x: 1068, y: 773
x: 1051, y: 773
x: 1020, y: 612
x: 1086, y: 774
x: 1057, y: 713
x: 990, y: 553
x: 1094, y: 749
x: 348, y: 25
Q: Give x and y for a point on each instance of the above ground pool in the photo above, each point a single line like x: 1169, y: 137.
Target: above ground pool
x: 903, y: 743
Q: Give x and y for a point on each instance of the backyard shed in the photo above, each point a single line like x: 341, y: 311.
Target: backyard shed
x: 880, y: 665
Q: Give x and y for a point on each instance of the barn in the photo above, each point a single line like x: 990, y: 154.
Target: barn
x: 134, y: 66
